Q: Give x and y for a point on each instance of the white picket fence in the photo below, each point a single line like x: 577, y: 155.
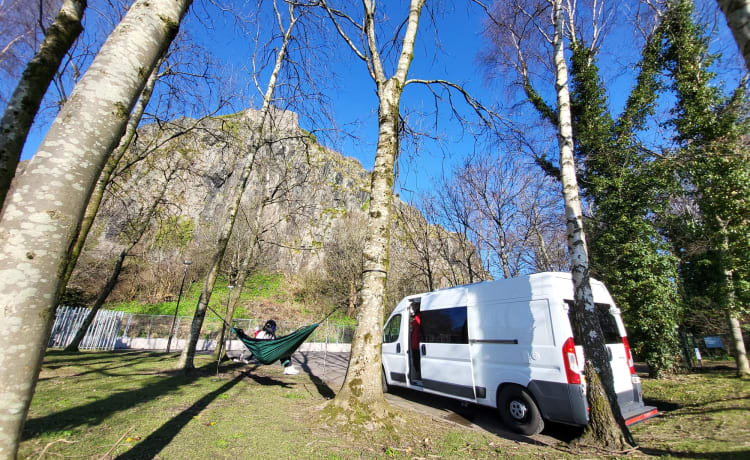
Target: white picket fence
x: 101, y: 335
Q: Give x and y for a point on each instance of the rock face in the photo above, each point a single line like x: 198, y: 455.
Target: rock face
x: 301, y: 199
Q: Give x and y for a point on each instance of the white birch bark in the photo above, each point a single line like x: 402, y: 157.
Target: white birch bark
x: 737, y: 13
x: 44, y: 209
x: 24, y: 103
x: 187, y: 357
x: 362, y: 384
x: 603, y: 418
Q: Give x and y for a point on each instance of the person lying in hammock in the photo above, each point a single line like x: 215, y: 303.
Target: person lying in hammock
x: 269, y: 333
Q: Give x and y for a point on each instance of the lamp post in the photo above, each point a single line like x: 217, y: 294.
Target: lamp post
x: 174, y: 318
x: 223, y: 323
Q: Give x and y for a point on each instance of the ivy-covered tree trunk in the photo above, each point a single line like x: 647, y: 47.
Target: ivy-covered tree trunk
x: 625, y: 188
x: 24, y: 103
x: 43, y: 212
x: 711, y: 129
x: 737, y: 13
x: 606, y: 424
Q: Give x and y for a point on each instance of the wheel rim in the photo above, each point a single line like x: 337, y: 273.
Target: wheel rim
x: 517, y: 409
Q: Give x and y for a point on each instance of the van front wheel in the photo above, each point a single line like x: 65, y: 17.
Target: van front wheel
x: 384, y: 381
x: 518, y: 411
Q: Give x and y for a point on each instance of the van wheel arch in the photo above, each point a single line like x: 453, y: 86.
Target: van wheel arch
x: 518, y: 409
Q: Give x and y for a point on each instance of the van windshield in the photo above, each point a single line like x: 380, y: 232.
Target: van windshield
x: 607, y: 321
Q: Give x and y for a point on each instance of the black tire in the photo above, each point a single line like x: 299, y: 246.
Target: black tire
x: 519, y: 411
x: 384, y: 381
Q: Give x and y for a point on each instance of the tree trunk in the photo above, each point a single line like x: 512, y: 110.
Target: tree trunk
x: 737, y: 13
x: 362, y: 385
x: 100, y: 299
x: 244, y: 267
x: 112, y: 281
x: 606, y: 425
x: 25, y: 101
x: 188, y: 353
x: 187, y: 356
x: 43, y: 212
x: 96, y: 198
x: 738, y: 343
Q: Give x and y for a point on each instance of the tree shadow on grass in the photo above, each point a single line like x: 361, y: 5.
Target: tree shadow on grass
x: 96, y: 412
x: 56, y: 359
x: 668, y: 406
x: 157, y: 440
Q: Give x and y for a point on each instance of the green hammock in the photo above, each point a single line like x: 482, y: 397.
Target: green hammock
x: 282, y: 348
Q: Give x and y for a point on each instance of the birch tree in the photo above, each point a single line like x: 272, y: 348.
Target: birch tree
x: 42, y: 213
x: 537, y: 26
x: 737, y: 13
x: 362, y: 389
x: 92, y: 208
x: 259, y: 129
x: 24, y: 103
x: 605, y: 415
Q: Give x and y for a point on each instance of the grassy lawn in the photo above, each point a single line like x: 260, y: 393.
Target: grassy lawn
x: 704, y: 415
x: 130, y: 405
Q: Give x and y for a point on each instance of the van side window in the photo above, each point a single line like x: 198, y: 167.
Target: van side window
x: 447, y: 325
x: 392, y: 329
x: 606, y: 320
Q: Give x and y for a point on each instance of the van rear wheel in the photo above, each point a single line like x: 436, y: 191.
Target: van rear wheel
x: 518, y: 411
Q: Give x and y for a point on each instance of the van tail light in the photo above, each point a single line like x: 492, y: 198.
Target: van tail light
x: 571, y: 362
x: 628, y: 355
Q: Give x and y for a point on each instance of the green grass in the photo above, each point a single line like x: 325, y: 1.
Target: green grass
x: 704, y: 414
x: 132, y: 405
x: 257, y: 286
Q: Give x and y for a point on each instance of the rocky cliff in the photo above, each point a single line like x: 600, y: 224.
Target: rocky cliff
x: 303, y: 205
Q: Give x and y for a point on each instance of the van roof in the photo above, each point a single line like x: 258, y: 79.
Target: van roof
x: 523, y: 286
x: 532, y: 278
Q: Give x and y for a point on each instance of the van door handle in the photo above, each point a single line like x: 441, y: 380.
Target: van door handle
x: 424, y: 350
x: 398, y: 348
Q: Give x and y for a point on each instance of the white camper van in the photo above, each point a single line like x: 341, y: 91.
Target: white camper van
x: 507, y: 344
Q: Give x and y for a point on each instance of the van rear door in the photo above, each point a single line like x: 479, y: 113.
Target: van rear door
x: 618, y: 358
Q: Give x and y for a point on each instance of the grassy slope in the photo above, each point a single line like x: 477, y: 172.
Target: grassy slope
x: 266, y: 295
x: 86, y: 402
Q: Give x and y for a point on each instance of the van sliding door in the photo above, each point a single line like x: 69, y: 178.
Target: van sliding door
x: 444, y: 349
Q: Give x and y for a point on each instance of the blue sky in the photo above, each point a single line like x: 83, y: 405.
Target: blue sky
x: 458, y: 32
